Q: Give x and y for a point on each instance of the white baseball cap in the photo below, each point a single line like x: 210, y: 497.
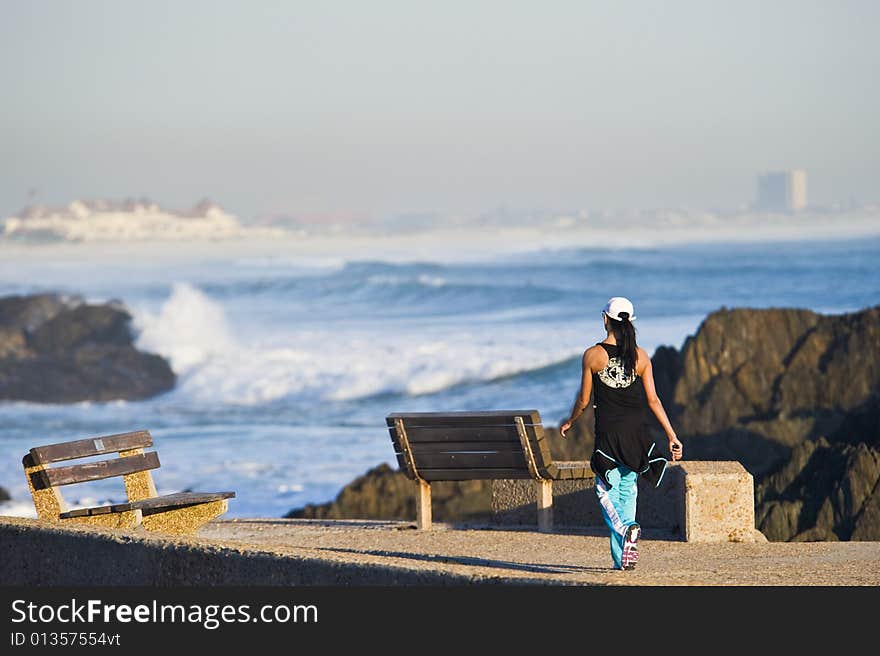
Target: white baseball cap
x: 616, y: 305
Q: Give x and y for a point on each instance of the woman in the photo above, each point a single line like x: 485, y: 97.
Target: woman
x: 620, y: 373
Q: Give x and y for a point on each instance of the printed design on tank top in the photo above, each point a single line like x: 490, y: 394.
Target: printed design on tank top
x: 614, y: 374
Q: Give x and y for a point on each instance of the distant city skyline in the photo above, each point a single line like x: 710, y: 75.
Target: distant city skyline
x: 352, y: 109
x: 782, y: 190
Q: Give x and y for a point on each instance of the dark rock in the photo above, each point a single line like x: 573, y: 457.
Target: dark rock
x: 757, y: 453
x: 860, y: 424
x: 19, y: 315
x: 86, y: 325
x: 385, y: 493
x: 826, y: 491
x: 753, y: 384
x: 747, y: 347
x: 29, y: 312
x: 4, y: 495
x: 666, y: 364
x: 56, y: 350
x: 794, y: 393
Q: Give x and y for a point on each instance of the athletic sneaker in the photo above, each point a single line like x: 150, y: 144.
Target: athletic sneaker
x: 630, y: 546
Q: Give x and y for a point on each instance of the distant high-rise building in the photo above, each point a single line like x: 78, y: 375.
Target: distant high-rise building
x: 797, y: 189
x: 782, y: 191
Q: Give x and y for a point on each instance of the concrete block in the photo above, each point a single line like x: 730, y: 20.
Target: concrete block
x: 514, y: 503
x: 719, y: 502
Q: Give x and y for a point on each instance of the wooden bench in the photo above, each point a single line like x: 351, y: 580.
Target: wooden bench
x: 462, y: 446
x: 182, y: 513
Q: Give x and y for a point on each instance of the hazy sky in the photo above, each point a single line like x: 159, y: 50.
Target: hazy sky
x: 377, y: 107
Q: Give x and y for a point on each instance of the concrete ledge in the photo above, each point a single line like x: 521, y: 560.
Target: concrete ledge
x: 697, y: 501
x: 38, y: 553
x: 271, y: 551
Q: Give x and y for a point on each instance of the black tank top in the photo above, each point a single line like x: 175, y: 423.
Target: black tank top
x: 622, y: 436
x: 620, y: 400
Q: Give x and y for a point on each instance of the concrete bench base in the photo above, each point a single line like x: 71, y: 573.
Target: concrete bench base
x: 697, y: 501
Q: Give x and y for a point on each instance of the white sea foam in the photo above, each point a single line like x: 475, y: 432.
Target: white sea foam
x: 349, y: 363
x: 356, y: 369
x: 18, y: 508
x: 189, y: 330
x: 432, y: 281
x: 289, y: 489
x: 345, y: 363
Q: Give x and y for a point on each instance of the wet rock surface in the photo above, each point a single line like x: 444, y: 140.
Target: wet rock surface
x: 754, y: 384
x: 56, y: 349
x: 826, y: 491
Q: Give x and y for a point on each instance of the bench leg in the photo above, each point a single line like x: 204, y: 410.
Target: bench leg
x: 47, y: 500
x: 544, y: 490
x: 138, y: 486
x: 423, y: 505
x: 184, y: 520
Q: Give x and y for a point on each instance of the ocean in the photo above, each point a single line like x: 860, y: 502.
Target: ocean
x: 290, y: 357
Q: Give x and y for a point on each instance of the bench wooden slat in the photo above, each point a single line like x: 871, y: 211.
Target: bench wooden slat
x: 567, y: 470
x: 419, y: 448
x: 534, y: 414
x: 458, y: 434
x: 93, y: 446
x: 464, y: 419
x: 154, y: 503
x: 470, y: 461
x: 94, y: 471
x: 432, y: 475
x: 500, y: 434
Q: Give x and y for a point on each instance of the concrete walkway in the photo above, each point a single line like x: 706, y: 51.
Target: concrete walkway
x: 342, y: 552
x: 567, y: 558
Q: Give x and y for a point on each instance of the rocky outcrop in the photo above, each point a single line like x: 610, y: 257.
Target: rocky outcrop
x: 753, y: 384
x: 795, y: 397
x: 60, y: 350
x: 826, y: 491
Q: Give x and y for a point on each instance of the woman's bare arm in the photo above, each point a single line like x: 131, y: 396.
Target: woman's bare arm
x: 656, y: 405
x: 583, y: 397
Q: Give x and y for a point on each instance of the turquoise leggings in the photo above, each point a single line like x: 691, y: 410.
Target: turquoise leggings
x: 618, y: 505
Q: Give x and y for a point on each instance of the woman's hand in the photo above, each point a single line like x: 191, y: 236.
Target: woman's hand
x: 564, y: 428
x: 675, y: 447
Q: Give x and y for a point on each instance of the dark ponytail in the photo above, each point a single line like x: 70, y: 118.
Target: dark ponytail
x: 625, y: 335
